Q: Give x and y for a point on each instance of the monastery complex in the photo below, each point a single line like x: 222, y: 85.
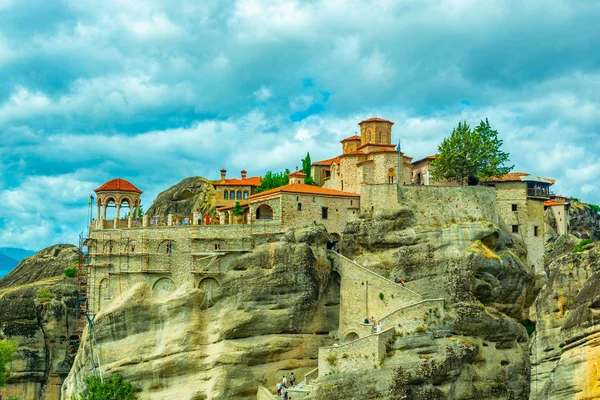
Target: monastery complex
x: 369, y: 176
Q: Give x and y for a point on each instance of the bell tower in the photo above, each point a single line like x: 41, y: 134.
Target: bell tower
x: 375, y: 131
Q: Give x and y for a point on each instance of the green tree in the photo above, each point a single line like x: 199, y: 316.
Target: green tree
x: 7, y: 350
x: 306, y: 169
x: 71, y: 272
x: 273, y: 180
x: 237, y: 209
x: 471, y: 155
x: 114, y: 388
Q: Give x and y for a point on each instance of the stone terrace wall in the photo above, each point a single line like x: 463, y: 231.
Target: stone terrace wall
x: 362, y: 354
x: 360, y: 290
x: 434, y: 205
x: 264, y: 394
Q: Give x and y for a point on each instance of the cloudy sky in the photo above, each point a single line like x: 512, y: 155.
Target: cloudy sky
x: 155, y: 91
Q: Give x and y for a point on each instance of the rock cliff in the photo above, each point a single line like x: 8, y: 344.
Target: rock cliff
x: 189, y: 195
x: 43, y: 325
x: 565, y: 349
x: 584, y: 222
x: 479, y: 349
x: 269, y: 315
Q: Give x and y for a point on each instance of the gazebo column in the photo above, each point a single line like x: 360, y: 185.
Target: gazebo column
x: 230, y: 217
x: 129, y: 221
x: 250, y: 211
x: 170, y: 219
x: 98, y: 207
x: 104, y: 211
x: 195, y: 218
x: 116, y: 220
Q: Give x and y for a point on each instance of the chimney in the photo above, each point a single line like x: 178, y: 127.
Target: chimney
x: 223, y: 174
x: 244, y: 174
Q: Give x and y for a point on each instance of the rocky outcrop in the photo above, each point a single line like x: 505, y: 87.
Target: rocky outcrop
x: 47, y: 263
x: 41, y: 316
x: 584, y: 222
x: 565, y: 350
x: 479, y: 348
x: 189, y: 195
x: 268, y: 316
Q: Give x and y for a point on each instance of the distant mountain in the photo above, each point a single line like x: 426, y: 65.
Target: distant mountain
x: 16, y: 253
x: 6, y: 264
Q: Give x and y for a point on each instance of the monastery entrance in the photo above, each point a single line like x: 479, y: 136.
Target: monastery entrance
x: 264, y: 212
x: 210, y: 287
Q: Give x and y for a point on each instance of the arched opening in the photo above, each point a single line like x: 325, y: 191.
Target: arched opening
x: 351, y: 337
x: 391, y: 175
x: 110, y: 210
x: 130, y: 247
x: 210, y: 288
x: 166, y: 247
x: 163, y: 286
x: 264, y: 212
x: 104, y: 294
x: 379, y: 137
x: 332, y: 243
x: 109, y: 247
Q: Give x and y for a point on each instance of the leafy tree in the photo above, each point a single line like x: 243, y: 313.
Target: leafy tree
x: 237, y: 209
x: 7, y: 350
x: 306, y: 169
x: 471, y: 155
x: 273, y: 180
x: 71, y: 272
x: 114, y: 388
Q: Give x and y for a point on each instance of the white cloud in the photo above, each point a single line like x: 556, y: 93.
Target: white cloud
x: 263, y: 94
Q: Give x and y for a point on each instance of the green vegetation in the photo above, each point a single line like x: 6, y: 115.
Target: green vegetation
x: 273, y: 180
x: 7, y: 350
x: 71, y: 272
x: 306, y: 168
x: 471, y: 155
x: 380, y: 296
x: 331, y: 359
x: 579, y: 248
x: 44, y: 294
x: 114, y: 388
x: 594, y: 207
x: 136, y: 212
x: 420, y: 328
x: 529, y: 325
x: 237, y: 209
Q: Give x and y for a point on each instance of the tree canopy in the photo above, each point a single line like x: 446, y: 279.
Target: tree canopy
x: 113, y: 388
x: 471, y: 155
x: 306, y: 169
x: 7, y: 350
x: 273, y: 180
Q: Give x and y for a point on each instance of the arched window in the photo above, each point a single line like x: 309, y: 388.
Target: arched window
x: 231, y: 195
x: 104, y: 289
x: 239, y: 195
x: 245, y: 195
x: 130, y: 247
x: 109, y: 247
x: 166, y: 247
x: 379, y: 137
x: 163, y: 286
x: 226, y: 195
x: 264, y: 212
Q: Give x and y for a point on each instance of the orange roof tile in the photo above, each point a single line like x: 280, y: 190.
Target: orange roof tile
x: 298, y: 174
x: 350, y: 139
x: 376, y: 144
x: 252, y: 181
x: 353, y: 153
x: 375, y: 120
x: 328, y: 162
x: 118, y: 185
x: 550, y: 203
x: 303, y: 189
x: 428, y: 158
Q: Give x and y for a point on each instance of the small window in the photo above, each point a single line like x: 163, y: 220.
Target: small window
x: 350, y: 202
x: 313, y: 199
x: 226, y: 195
x: 515, y: 228
x: 514, y: 207
x: 245, y: 195
x: 342, y: 185
x: 324, y: 211
x: 231, y: 194
x: 299, y: 207
x: 535, y: 231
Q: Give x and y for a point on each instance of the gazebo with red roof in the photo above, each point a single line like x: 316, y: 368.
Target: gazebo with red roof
x: 116, y: 193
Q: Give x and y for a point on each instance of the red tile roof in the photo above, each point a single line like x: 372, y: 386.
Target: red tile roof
x: 328, y: 162
x: 428, y: 158
x: 378, y: 145
x: 299, y: 174
x: 252, y: 181
x: 118, y: 185
x: 351, y: 138
x: 375, y: 120
x: 303, y: 189
x: 550, y: 203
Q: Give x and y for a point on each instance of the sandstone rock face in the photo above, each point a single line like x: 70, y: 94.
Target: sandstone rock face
x: 565, y: 349
x: 47, y: 263
x: 478, y: 350
x: 270, y: 313
x: 189, y: 195
x: 584, y: 222
x: 43, y: 327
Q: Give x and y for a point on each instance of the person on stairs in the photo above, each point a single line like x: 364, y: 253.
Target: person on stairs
x: 293, y: 379
x: 284, y: 382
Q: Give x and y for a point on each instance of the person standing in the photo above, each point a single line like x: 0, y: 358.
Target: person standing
x: 293, y: 379
x: 284, y: 381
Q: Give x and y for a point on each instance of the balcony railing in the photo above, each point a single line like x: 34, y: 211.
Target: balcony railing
x: 538, y: 192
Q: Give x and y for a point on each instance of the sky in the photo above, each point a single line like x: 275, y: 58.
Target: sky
x: 156, y: 91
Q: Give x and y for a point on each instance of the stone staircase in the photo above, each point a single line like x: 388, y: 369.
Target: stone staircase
x: 406, y: 311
